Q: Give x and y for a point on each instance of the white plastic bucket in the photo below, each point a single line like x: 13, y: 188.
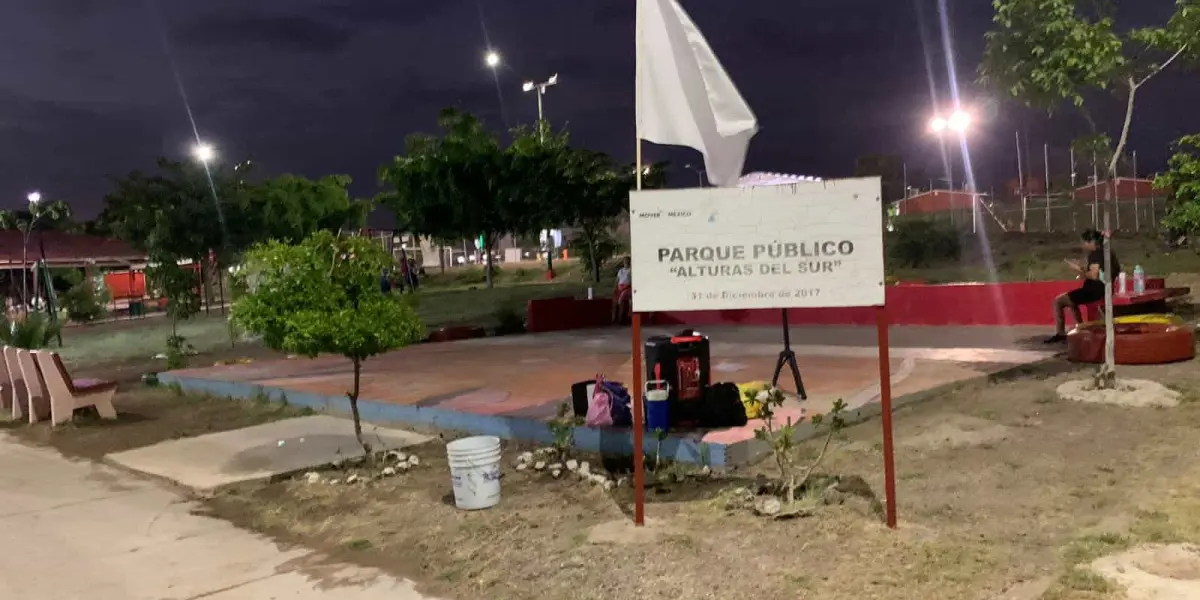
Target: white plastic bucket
x: 475, y: 471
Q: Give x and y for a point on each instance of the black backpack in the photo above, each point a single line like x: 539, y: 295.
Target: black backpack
x: 723, y: 407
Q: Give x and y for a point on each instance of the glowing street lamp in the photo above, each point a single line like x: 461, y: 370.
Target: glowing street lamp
x: 204, y: 152
x: 491, y: 59
x: 34, y: 197
x: 958, y: 122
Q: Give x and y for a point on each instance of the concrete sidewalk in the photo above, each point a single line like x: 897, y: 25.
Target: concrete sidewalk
x: 79, y: 530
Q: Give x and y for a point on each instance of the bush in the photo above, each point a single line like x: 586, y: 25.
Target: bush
x: 83, y: 302
x: 34, y: 332
x: 918, y: 242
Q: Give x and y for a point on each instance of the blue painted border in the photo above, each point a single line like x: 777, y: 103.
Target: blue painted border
x: 680, y: 448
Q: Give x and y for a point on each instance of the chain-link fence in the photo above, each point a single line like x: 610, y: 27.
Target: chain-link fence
x: 1056, y: 214
x: 1059, y: 213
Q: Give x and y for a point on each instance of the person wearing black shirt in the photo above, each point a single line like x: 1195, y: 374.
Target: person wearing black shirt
x: 1092, y: 289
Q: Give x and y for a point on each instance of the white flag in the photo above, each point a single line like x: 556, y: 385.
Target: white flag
x: 684, y: 95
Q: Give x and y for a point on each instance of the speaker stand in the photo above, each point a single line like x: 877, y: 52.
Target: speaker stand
x: 787, y: 357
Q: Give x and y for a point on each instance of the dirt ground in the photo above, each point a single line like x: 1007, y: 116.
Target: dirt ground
x: 1003, y: 489
x: 148, y: 415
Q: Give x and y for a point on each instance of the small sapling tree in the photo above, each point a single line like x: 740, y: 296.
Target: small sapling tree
x: 781, y: 437
x: 322, y: 296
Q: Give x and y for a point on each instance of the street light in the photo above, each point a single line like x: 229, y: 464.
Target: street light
x: 34, y: 197
x: 491, y: 59
x: 958, y: 122
x: 541, y: 91
x: 699, y: 174
x: 204, y: 152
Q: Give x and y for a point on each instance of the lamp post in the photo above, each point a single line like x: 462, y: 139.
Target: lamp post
x: 34, y: 198
x: 491, y: 58
x: 957, y: 123
x: 698, y: 172
x: 540, y: 88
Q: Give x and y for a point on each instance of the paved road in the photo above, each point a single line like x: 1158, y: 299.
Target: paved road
x: 78, y: 530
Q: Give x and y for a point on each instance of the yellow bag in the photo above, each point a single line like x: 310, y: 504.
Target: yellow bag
x: 1151, y: 319
x: 750, y: 391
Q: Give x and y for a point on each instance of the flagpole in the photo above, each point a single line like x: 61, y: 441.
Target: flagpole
x: 639, y: 472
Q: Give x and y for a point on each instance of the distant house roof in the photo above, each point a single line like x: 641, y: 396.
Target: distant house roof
x: 1125, y: 190
x: 764, y: 178
x: 67, y: 250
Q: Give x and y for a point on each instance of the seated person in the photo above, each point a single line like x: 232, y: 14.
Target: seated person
x: 1092, y: 289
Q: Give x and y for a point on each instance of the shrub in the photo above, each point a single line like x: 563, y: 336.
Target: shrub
x: 84, y: 302
x: 34, y: 332
x: 918, y: 242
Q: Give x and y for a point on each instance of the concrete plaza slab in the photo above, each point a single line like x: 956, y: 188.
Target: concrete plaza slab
x: 511, y: 386
x: 213, y: 460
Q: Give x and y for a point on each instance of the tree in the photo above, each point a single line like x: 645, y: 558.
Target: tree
x: 289, y: 208
x: 1048, y: 52
x: 537, y: 183
x: 180, y: 287
x: 1183, y: 180
x: 322, y: 296
x: 182, y: 212
x: 458, y: 185
x: 40, y: 215
x: 597, y: 196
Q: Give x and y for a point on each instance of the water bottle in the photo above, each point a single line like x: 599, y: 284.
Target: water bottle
x: 1139, y: 279
x: 1122, y: 287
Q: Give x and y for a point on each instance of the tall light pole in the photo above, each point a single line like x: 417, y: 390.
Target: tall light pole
x: 957, y: 123
x: 540, y: 88
x: 698, y: 172
x: 34, y: 198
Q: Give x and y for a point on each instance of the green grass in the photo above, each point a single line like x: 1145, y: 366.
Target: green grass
x: 1038, y: 257
x: 139, y: 339
x: 481, y: 306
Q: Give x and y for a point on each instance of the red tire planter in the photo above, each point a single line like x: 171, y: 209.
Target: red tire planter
x: 1136, y: 343
x: 451, y: 334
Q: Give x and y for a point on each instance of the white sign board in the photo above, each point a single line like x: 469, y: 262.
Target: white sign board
x: 811, y: 244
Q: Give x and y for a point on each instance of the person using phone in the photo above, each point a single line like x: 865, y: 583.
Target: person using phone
x: 1092, y: 287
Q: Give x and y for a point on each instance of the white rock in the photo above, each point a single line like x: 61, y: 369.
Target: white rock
x: 598, y: 479
x: 539, y: 465
x: 706, y: 471
x: 621, y: 481
x: 388, y: 471
x: 313, y: 477
x: 396, y: 456
x: 160, y: 356
x: 413, y: 460
x: 334, y: 481
x: 352, y: 479
x: 555, y: 473
x: 402, y: 467
x: 547, y: 451
x: 585, y: 469
x: 522, y: 466
x: 337, y: 464
x: 555, y: 467
x: 572, y: 465
x: 608, y: 484
x: 525, y: 457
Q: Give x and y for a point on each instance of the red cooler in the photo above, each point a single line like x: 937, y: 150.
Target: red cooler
x: 683, y: 362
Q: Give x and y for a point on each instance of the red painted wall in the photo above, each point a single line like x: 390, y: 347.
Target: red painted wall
x: 1020, y: 303
x: 122, y: 285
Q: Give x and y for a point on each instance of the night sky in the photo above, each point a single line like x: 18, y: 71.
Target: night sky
x: 88, y: 90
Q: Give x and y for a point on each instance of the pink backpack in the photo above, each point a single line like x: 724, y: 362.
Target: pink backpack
x: 599, y: 412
